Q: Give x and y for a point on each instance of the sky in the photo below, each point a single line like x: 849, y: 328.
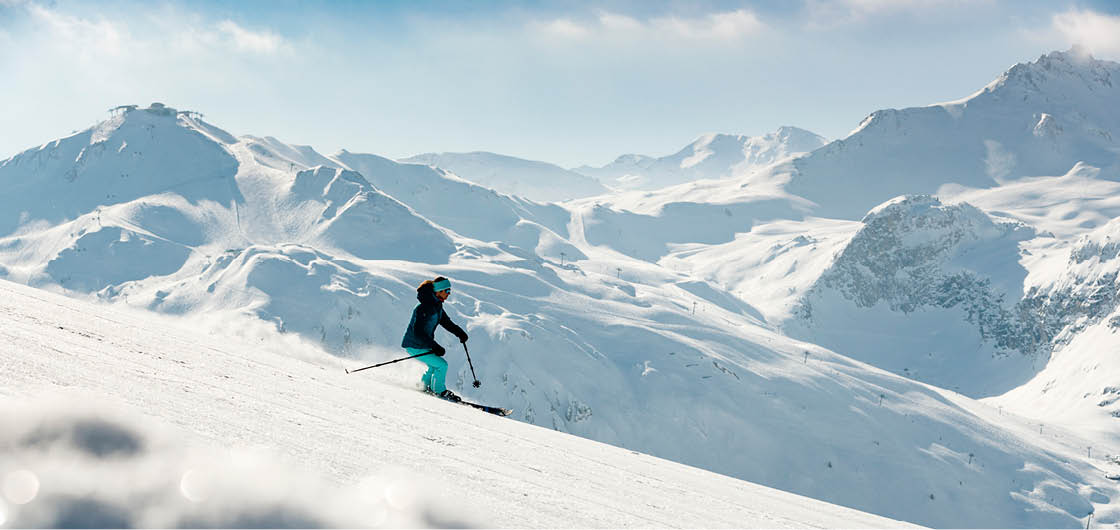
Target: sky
x: 571, y: 83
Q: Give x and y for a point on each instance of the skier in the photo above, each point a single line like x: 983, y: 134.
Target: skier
x: 420, y: 336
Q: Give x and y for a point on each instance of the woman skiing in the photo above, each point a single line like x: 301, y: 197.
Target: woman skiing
x: 420, y: 336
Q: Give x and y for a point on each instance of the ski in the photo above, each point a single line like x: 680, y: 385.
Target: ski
x: 497, y: 411
x: 492, y: 410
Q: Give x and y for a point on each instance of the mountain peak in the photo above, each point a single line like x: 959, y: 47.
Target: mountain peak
x: 1069, y: 74
x: 157, y: 115
x: 1075, y: 55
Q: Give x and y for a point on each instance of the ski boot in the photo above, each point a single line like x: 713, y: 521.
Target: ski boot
x: 449, y: 396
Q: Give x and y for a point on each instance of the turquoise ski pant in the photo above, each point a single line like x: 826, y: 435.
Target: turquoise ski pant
x: 433, y: 379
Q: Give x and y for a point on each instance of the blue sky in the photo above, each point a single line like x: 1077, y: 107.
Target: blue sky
x: 572, y: 83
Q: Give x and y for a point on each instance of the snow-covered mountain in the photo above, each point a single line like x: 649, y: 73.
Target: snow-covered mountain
x: 940, y: 280
x: 1037, y: 119
x: 779, y: 263
x: 539, y: 181
x: 710, y: 156
x: 780, y: 347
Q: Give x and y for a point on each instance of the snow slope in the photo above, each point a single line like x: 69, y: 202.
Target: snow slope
x: 538, y: 181
x: 115, y: 418
x: 1072, y: 288
x: 710, y: 156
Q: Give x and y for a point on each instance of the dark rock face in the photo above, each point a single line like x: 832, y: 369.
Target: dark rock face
x: 906, y: 257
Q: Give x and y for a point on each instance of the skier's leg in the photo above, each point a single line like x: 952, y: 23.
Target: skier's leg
x: 437, y: 370
x: 426, y: 379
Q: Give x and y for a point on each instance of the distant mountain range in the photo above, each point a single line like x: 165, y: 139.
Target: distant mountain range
x: 710, y: 156
x: 539, y: 181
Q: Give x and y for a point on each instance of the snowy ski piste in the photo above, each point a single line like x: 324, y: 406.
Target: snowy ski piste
x: 914, y: 324
x: 132, y: 427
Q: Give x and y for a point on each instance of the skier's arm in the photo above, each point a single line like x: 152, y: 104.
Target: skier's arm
x: 447, y: 324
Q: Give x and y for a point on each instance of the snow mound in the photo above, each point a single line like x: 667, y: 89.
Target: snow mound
x: 299, y: 290
x: 345, y: 212
x: 123, y: 256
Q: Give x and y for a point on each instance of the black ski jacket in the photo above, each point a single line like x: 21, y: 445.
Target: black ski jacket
x: 422, y: 329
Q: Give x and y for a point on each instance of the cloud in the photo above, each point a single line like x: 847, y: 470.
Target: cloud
x: 86, y: 36
x: 730, y: 25
x: 565, y: 27
x: 250, y: 41
x: 1098, y: 33
x: 722, y: 26
x: 156, y: 33
x: 616, y: 22
x: 831, y: 13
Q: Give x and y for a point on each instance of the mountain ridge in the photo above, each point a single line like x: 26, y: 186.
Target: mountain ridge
x: 713, y: 155
x: 1006, y: 131
x: 539, y: 181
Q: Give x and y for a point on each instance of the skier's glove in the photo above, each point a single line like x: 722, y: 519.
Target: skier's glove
x: 438, y: 350
x: 463, y: 337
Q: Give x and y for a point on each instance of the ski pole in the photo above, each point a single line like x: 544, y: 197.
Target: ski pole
x: 476, y: 383
x: 389, y: 362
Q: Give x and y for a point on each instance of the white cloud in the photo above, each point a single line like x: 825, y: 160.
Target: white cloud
x: 1098, y: 33
x: 616, y: 22
x: 730, y: 25
x: 171, y: 32
x: 250, y: 41
x: 870, y: 7
x: 564, y: 27
x: 830, y: 13
x: 714, y: 26
x: 82, y: 35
